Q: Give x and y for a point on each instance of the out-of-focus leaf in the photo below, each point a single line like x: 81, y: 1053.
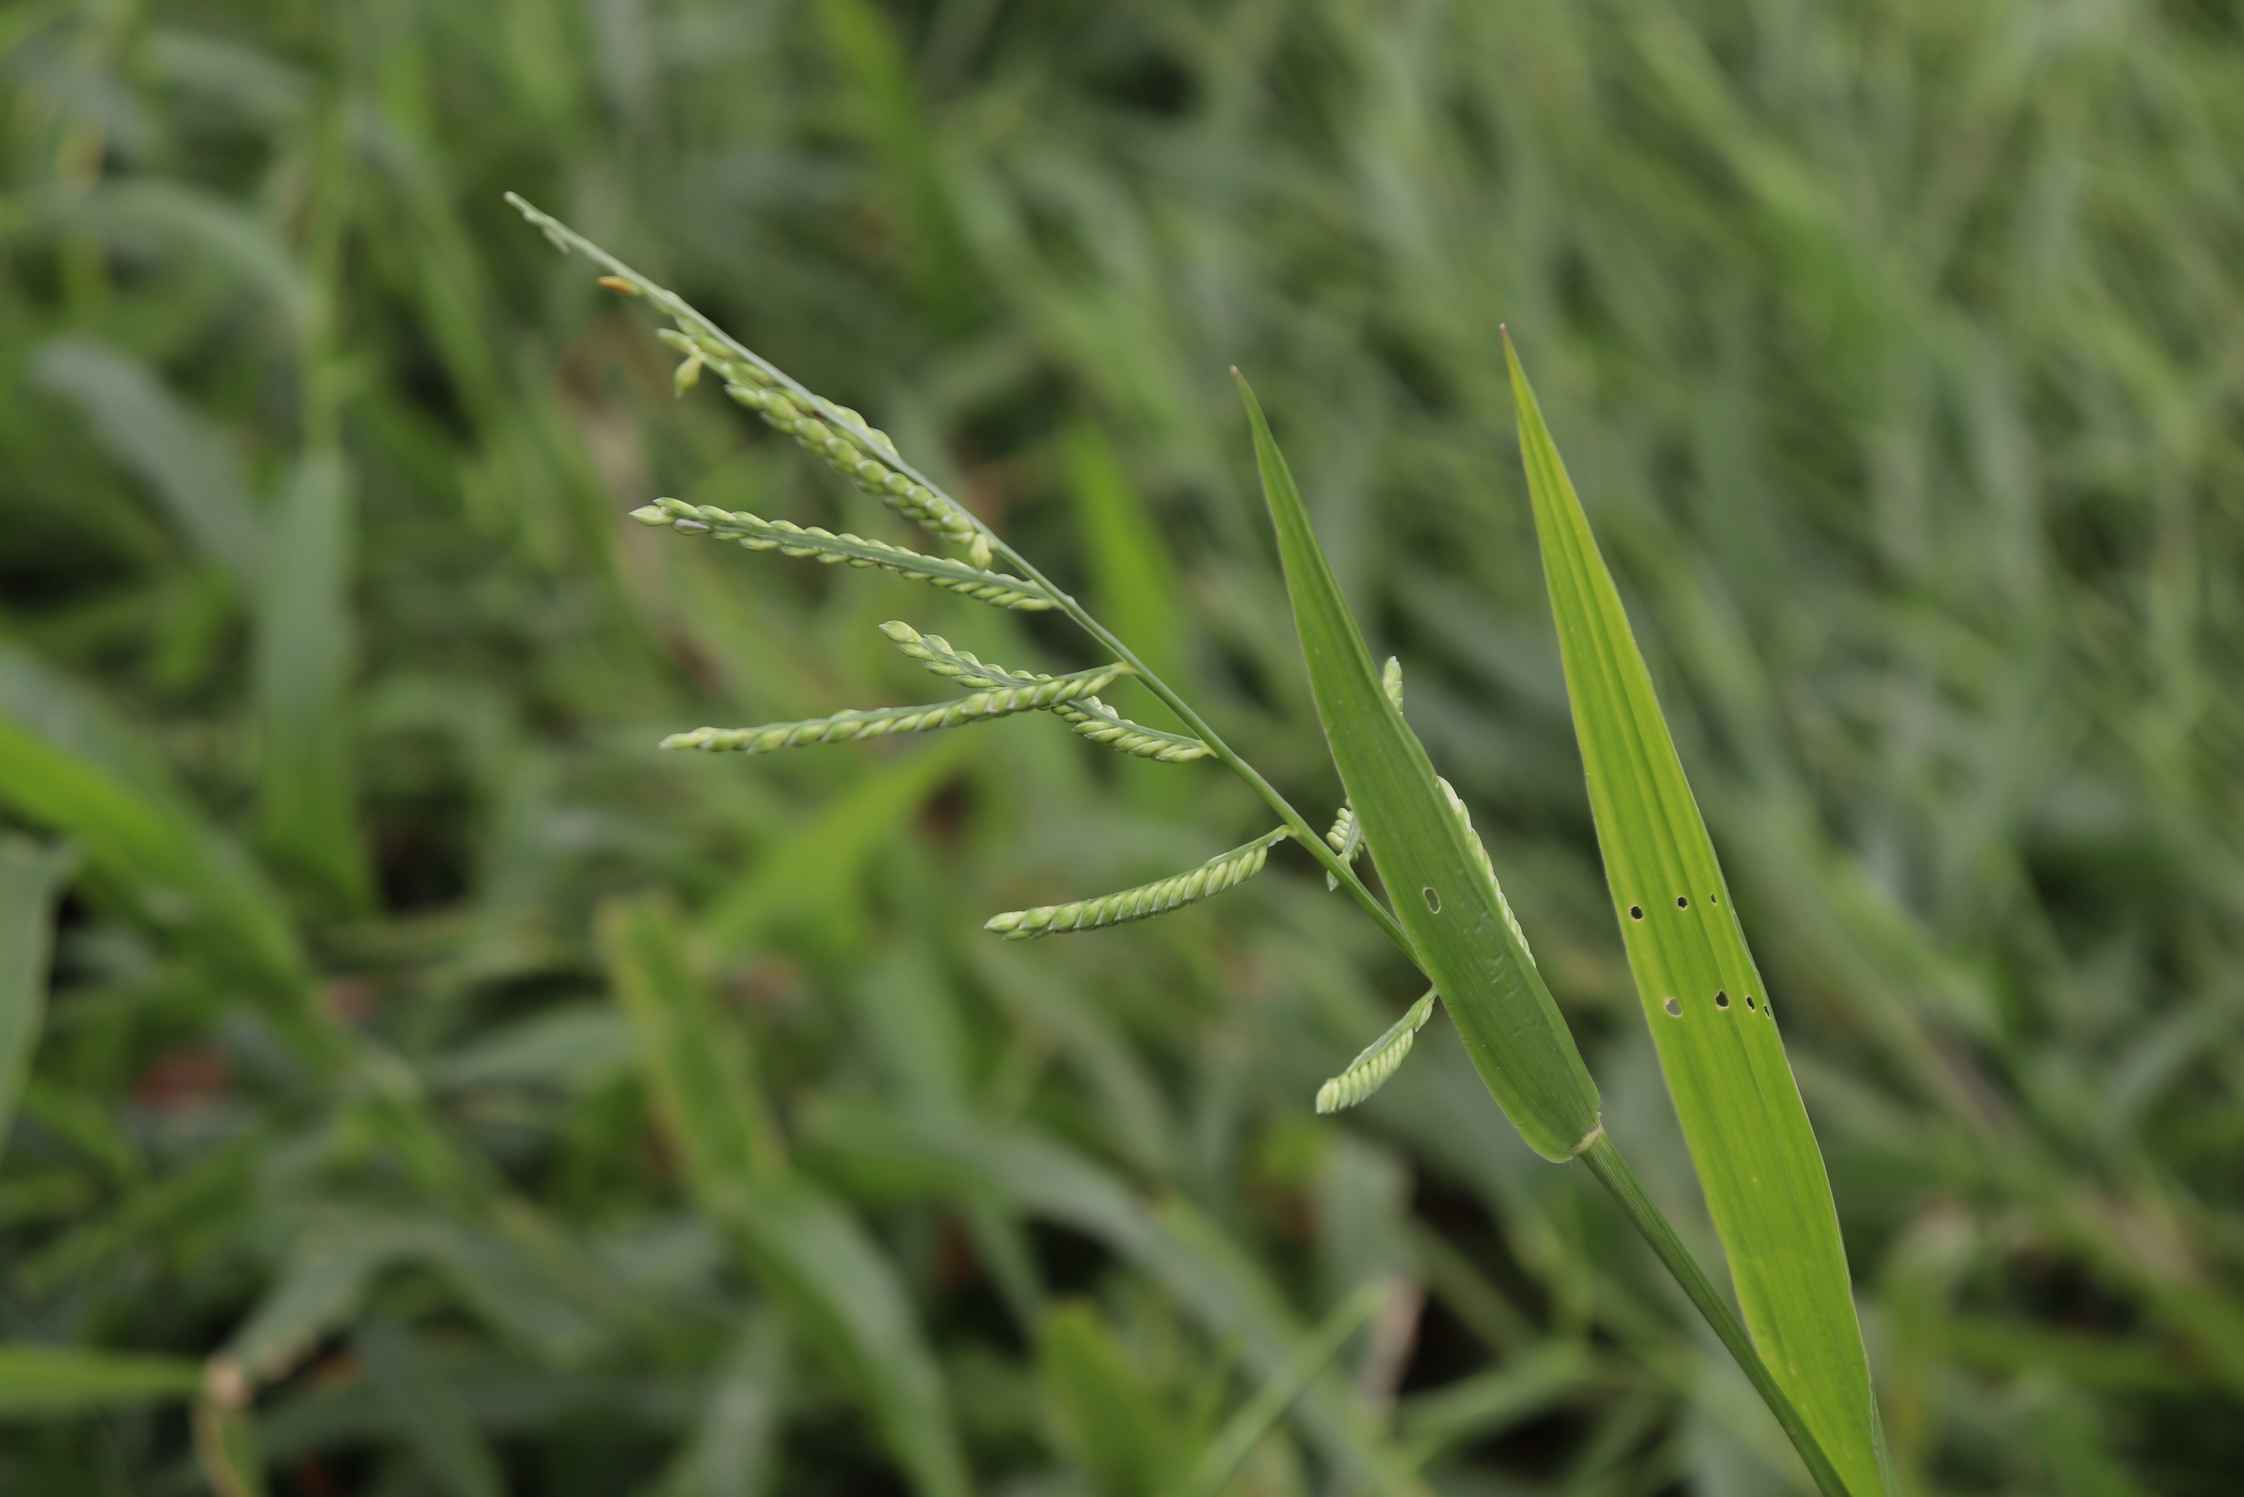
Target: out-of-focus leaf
x: 569, y: 1047
x: 149, y: 217
x: 185, y: 460
x: 1110, y: 1421
x: 733, y: 1446
x: 1236, y: 1441
x: 31, y: 879
x: 814, y: 867
x: 833, y: 1279
x: 64, y: 1382
x: 226, y: 1446
x: 451, y: 1450
x: 827, y: 1273
x: 321, y: 1287
x: 694, y: 1054
x: 307, y: 810
x: 1487, y: 1405
x: 142, y: 837
x: 1221, y: 1288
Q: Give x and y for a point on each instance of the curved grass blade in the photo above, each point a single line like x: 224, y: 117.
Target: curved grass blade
x: 69, y: 1382
x: 1229, y: 1450
x: 1704, y: 999
x: 1433, y: 869
x: 31, y: 880
x: 1225, y: 871
x: 1377, y: 1061
x: 821, y: 1265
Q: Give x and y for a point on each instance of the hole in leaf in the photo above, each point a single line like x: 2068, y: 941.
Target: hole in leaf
x: 1713, y: 899
x: 1749, y: 1000
x: 1636, y: 912
x: 1674, y: 1007
x: 1682, y: 901
x: 1433, y: 900
x: 1721, y: 999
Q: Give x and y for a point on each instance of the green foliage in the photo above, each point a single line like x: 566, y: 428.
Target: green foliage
x: 54, y: 1382
x: 1748, y: 1131
x: 1460, y: 933
x: 31, y: 877
x: 1895, y: 342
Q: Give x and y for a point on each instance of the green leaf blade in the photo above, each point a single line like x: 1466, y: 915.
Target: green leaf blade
x: 1719, y: 1048
x: 31, y: 881
x: 1442, y: 895
x: 68, y: 1382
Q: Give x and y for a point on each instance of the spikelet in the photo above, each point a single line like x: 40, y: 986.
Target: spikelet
x: 1346, y: 838
x: 831, y: 549
x: 1487, y: 865
x: 1377, y: 1061
x: 833, y: 433
x: 1088, y: 717
x: 1095, y: 720
x: 948, y: 661
x: 1146, y: 900
x: 838, y: 437
x: 1391, y: 679
x: 879, y: 722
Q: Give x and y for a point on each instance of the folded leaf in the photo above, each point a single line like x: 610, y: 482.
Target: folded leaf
x: 1448, y: 905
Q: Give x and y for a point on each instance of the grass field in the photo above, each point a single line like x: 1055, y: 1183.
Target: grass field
x: 430, y: 1088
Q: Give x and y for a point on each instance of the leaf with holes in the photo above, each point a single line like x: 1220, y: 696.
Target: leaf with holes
x: 1708, y: 1008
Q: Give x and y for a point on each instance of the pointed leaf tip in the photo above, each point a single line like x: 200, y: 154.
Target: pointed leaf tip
x: 1445, y: 902
x: 1748, y: 1131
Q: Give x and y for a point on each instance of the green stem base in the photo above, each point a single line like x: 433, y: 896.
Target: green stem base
x: 1620, y: 1181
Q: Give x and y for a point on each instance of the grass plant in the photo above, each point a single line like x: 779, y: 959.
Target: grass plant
x: 1741, y: 1109
x: 385, y: 1027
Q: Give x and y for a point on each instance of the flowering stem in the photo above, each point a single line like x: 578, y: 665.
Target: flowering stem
x: 1295, y: 822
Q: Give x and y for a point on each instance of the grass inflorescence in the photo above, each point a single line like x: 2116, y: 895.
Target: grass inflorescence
x: 1449, y: 914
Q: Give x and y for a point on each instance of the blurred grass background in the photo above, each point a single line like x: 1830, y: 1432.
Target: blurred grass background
x: 498, y: 1106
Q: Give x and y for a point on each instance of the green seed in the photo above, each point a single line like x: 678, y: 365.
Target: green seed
x: 1088, y: 718
x: 1146, y: 900
x: 881, y: 722
x: 1377, y: 1061
x: 829, y: 548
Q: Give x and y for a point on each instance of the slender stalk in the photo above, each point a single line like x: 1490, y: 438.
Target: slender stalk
x: 1604, y: 1160
x: 1613, y: 1172
x: 1296, y: 823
